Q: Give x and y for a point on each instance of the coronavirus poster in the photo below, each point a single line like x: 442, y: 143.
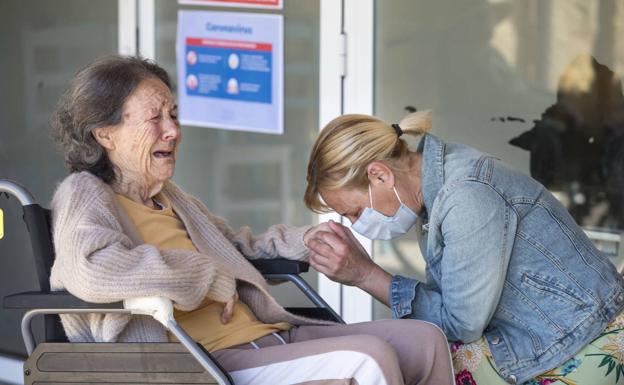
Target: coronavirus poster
x: 230, y: 70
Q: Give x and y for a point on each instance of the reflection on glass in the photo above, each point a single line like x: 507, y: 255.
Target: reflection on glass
x: 488, y: 68
x: 577, y: 146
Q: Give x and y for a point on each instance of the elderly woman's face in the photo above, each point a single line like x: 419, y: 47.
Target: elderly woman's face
x: 144, y: 145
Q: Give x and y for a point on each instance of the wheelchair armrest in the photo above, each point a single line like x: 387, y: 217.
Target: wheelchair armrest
x: 280, y: 266
x: 319, y: 313
x: 53, y: 300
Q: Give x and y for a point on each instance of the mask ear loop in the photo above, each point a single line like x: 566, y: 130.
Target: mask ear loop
x: 397, y: 194
x: 370, y: 196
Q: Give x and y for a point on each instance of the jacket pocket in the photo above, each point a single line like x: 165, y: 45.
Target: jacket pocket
x: 551, y: 287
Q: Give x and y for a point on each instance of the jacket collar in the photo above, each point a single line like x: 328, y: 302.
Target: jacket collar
x: 432, y: 149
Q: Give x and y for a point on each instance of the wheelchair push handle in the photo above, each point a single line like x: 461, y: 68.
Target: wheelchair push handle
x: 18, y: 191
x: 37, y: 221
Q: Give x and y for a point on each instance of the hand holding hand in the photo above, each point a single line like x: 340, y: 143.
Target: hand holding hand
x: 311, y: 233
x: 338, y: 254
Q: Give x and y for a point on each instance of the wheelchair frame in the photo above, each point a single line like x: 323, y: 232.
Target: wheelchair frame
x: 52, y: 303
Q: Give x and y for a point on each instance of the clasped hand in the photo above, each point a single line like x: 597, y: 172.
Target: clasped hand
x: 336, y: 253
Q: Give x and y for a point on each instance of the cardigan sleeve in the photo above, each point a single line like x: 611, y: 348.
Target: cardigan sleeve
x: 279, y: 241
x: 97, y: 262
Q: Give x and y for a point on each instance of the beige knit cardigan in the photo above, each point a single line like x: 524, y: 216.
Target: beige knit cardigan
x: 100, y: 257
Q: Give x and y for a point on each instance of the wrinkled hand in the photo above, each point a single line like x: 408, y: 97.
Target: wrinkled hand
x: 311, y: 233
x: 339, y: 255
x: 228, y: 310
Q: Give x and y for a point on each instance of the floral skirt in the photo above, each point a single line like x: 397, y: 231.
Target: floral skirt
x: 599, y: 363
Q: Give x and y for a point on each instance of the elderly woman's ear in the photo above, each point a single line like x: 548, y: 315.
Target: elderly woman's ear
x: 104, y: 136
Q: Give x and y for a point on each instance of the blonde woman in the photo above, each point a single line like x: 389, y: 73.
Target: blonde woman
x: 508, y: 270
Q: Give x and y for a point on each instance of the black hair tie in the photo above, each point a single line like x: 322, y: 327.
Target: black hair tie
x: 398, y: 129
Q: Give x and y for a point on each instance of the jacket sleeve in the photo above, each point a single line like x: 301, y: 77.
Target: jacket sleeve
x: 478, y: 230
x: 279, y: 241
x: 97, y: 262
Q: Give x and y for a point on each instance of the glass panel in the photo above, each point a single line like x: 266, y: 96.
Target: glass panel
x: 547, y: 73
x: 248, y: 178
x: 43, y: 43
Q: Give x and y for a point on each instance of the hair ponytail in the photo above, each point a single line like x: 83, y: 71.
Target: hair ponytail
x: 416, y: 123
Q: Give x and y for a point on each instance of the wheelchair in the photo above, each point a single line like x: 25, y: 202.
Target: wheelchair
x: 57, y: 361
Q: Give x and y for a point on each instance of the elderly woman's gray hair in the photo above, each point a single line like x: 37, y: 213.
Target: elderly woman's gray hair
x: 95, y: 98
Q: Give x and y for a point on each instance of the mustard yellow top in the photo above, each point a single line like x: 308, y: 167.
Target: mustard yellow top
x: 163, y: 229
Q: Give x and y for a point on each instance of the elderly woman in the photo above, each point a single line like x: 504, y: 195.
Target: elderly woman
x: 123, y: 230
x: 506, y: 264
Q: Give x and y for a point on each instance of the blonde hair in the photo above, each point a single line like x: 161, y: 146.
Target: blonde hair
x: 348, y: 144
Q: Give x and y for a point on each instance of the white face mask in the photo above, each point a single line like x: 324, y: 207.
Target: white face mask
x: 374, y: 225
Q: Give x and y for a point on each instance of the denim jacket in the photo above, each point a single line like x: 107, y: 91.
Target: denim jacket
x: 506, y: 261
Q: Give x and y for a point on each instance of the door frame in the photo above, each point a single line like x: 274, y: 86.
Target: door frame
x: 346, y: 87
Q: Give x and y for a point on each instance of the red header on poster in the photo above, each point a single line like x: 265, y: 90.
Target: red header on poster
x: 247, y: 45
x: 245, y: 2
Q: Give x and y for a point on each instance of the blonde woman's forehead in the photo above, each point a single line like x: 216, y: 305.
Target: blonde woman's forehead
x: 345, y: 201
